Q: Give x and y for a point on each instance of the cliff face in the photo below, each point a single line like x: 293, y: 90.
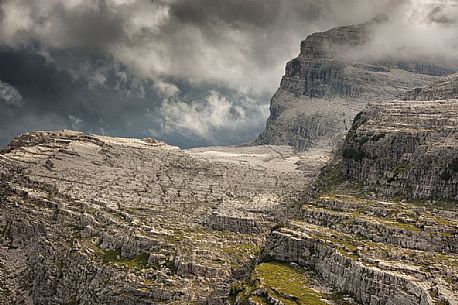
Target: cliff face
x: 352, y: 236
x: 406, y: 149
x: 322, y: 90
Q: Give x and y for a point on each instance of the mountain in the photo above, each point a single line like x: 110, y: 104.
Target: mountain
x: 88, y: 219
x: 408, y: 148
x: 324, y: 88
x: 380, y: 224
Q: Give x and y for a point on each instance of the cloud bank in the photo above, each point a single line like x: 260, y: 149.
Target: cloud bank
x: 188, y: 72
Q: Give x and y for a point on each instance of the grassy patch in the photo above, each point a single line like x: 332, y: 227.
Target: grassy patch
x: 241, y: 251
x: 259, y: 300
x: 287, y: 284
x: 332, y: 181
x: 401, y: 225
x: 175, y: 238
x: 140, y: 261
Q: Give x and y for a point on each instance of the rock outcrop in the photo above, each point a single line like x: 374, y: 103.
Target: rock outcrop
x: 322, y: 89
x: 369, y: 281
x: 87, y: 219
x: 380, y: 224
x: 446, y: 88
x: 405, y: 148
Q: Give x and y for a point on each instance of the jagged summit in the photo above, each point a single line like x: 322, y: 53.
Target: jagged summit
x: 330, y: 43
x: 322, y: 90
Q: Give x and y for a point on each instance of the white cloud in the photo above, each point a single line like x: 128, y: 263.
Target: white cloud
x: 189, y: 47
x: 242, y: 45
x: 166, y: 89
x: 207, y: 120
x: 9, y: 95
x: 75, y: 122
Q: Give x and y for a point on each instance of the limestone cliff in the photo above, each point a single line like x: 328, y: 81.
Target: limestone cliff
x: 322, y: 90
x: 88, y: 219
x: 406, y: 149
x: 381, y: 224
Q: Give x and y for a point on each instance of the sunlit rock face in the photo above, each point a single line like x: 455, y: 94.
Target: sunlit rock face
x: 380, y: 224
x: 87, y: 219
x: 326, y: 86
x: 406, y: 148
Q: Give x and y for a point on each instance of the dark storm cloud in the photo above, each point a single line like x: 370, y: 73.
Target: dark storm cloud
x: 190, y: 72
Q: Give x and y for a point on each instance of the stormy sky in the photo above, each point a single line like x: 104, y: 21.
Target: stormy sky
x: 190, y: 72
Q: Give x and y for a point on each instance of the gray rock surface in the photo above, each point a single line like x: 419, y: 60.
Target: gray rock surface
x: 405, y: 148
x: 323, y: 89
x: 446, y: 88
x: 368, y: 282
x: 87, y: 219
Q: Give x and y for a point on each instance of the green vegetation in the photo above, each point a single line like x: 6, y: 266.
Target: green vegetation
x: 241, y: 251
x: 344, y: 246
x: 72, y: 301
x: 332, y: 182
x: 106, y: 256
x: 287, y: 284
x: 280, y: 281
x: 402, y: 225
x: 258, y: 300
x: 175, y: 238
x: 331, y: 176
x: 140, y: 261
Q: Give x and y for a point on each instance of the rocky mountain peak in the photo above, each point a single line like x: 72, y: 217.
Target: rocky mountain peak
x: 330, y: 43
x: 322, y: 90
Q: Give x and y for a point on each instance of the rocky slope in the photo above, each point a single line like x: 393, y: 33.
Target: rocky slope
x: 445, y: 88
x: 87, y: 219
x: 380, y: 225
x: 323, y: 89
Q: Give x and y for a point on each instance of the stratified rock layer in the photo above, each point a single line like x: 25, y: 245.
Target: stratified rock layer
x: 407, y: 149
x: 322, y: 89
